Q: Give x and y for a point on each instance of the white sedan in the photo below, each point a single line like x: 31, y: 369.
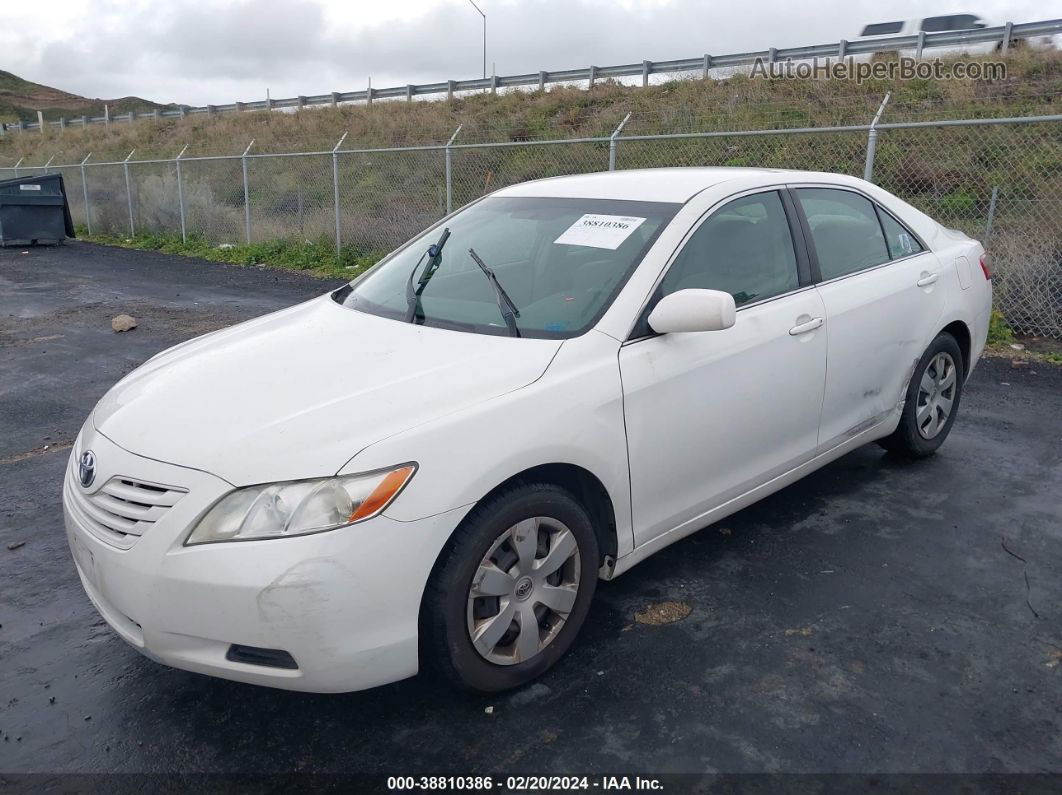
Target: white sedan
x: 433, y: 465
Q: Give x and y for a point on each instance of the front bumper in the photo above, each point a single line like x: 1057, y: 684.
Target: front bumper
x: 344, y: 604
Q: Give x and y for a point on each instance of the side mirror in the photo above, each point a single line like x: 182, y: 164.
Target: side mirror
x: 693, y: 310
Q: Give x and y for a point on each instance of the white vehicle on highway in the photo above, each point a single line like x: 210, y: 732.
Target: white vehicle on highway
x: 432, y: 466
x: 938, y: 24
x: 947, y: 23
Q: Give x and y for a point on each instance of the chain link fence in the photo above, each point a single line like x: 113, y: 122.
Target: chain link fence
x: 1001, y: 184
x: 386, y: 195
x: 999, y: 180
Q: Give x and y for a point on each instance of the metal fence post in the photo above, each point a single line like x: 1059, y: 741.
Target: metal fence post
x: 246, y: 193
x: 85, y: 193
x: 991, y: 212
x: 612, y: 143
x: 1004, y: 45
x: 335, y: 189
x: 180, y: 193
x: 129, y: 193
x: 872, y: 140
x: 449, y: 172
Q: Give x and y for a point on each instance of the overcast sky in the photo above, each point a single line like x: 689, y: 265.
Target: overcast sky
x: 218, y: 51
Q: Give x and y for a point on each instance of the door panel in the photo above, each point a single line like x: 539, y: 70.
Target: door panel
x: 883, y: 300
x: 878, y: 323
x: 711, y: 415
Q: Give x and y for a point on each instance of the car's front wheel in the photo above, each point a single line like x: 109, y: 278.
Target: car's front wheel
x: 511, y: 590
x: 932, y: 400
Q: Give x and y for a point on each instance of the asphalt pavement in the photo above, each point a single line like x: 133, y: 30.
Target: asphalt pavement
x: 878, y: 616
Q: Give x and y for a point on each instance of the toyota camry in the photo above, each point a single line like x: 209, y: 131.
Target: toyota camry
x: 432, y: 466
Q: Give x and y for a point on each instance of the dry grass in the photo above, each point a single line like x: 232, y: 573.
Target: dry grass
x: 1033, y: 87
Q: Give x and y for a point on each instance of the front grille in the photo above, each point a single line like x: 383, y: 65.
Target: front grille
x: 122, y: 509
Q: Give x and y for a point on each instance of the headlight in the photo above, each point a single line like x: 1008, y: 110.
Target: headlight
x: 300, y: 507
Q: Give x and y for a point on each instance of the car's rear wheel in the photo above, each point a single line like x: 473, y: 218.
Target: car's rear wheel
x: 511, y: 590
x: 932, y: 401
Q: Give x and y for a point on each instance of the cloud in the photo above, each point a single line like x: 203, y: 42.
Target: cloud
x: 206, y: 50
x: 200, y: 51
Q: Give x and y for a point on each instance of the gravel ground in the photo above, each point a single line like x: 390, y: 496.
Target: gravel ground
x: 878, y: 616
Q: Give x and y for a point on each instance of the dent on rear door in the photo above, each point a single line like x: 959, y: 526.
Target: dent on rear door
x: 880, y: 322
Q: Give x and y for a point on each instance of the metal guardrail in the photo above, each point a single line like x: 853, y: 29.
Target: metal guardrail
x: 1004, y: 35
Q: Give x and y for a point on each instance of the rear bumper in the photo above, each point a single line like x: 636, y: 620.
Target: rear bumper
x: 982, y: 319
x: 344, y: 604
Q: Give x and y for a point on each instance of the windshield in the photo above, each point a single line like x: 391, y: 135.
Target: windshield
x: 560, y: 261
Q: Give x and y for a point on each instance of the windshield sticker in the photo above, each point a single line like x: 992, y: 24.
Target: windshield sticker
x: 600, y: 231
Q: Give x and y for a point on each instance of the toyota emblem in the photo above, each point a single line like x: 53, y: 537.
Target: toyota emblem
x: 86, y: 468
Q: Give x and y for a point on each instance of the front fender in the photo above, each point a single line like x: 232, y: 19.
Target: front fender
x: 573, y: 415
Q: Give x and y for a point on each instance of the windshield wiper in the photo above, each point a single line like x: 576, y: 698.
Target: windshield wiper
x: 505, y: 303
x: 434, y: 253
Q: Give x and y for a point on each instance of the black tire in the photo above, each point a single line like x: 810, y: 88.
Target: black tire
x: 446, y: 646
x: 907, y: 440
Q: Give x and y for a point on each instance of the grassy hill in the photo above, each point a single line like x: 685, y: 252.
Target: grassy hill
x: 1033, y: 86
x: 21, y: 99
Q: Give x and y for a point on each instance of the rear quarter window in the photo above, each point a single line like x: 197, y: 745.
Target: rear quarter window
x: 899, y: 239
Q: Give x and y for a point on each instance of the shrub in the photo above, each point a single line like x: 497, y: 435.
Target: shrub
x: 999, y: 333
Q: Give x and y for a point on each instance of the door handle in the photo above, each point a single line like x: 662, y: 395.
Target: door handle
x: 926, y: 279
x: 804, y: 328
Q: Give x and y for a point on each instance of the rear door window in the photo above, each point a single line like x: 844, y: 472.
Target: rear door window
x: 951, y: 22
x: 845, y: 231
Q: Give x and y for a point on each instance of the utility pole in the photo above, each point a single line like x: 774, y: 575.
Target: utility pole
x: 480, y: 10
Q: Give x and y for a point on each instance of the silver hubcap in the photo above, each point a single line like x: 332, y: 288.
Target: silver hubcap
x: 936, y: 395
x: 523, y: 590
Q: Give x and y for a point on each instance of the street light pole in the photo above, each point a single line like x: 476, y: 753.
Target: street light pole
x: 484, y: 36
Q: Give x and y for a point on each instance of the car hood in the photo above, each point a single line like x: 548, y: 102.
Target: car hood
x: 298, y: 393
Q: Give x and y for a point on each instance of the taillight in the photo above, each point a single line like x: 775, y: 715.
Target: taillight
x: 985, y: 269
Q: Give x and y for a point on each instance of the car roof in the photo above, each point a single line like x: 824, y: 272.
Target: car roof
x: 660, y: 184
